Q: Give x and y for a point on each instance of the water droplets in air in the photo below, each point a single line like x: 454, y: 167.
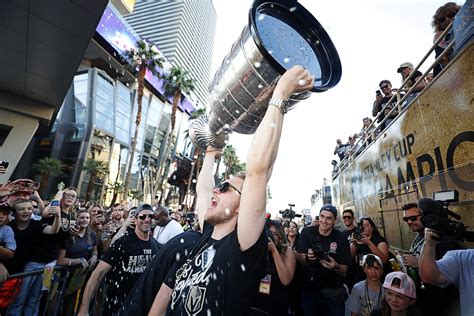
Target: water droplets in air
x: 178, y: 256
x: 227, y: 212
x: 261, y: 17
x: 257, y: 64
x: 194, y: 181
x: 181, y: 240
x: 174, y: 78
x: 260, y: 86
x: 272, y: 125
x: 270, y: 52
x: 237, y: 112
x: 242, y: 266
x: 301, y: 82
x: 293, y: 9
x: 286, y: 60
x: 209, y: 313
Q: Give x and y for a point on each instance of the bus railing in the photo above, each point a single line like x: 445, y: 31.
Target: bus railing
x: 365, y: 140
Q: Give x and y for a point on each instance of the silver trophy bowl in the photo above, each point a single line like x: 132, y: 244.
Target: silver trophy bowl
x: 279, y: 35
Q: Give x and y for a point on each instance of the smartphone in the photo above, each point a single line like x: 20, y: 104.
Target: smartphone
x: 377, y: 92
x: 54, y: 203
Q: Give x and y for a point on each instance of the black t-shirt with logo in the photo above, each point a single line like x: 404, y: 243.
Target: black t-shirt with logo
x: 24, y: 244
x: 318, y: 277
x: 129, y: 257
x: 141, y: 297
x: 220, y: 279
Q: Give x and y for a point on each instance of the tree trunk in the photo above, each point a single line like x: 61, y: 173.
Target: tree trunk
x: 114, y: 198
x: 43, y: 183
x: 90, y: 185
x: 176, y: 98
x: 141, y: 83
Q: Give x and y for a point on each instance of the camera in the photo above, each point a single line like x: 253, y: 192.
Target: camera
x: 357, y: 234
x: 319, y: 252
x: 437, y: 216
x: 289, y: 213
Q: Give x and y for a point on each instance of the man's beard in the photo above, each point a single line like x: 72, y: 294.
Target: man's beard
x: 219, y: 217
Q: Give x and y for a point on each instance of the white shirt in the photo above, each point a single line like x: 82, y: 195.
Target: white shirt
x: 165, y: 233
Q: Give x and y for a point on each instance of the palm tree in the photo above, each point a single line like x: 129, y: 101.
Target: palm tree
x: 96, y: 170
x: 175, y: 83
x: 48, y: 167
x: 230, y: 159
x: 116, y: 188
x: 144, y: 57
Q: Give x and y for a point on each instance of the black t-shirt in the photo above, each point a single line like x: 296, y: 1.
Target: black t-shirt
x: 129, y: 256
x: 142, y: 295
x: 318, y: 277
x: 220, y: 279
x: 47, y: 247
x: 348, y: 233
x: 24, y: 245
x: 382, y: 105
x: 278, y: 301
x: 78, y: 247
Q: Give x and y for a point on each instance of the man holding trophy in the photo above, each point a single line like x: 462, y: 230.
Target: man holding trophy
x: 226, y: 268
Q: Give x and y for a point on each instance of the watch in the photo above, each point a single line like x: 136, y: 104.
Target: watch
x: 283, y: 104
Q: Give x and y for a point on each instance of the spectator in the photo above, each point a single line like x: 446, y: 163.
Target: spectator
x: 123, y: 263
x: 79, y: 250
x: 406, y: 70
x: 400, y: 295
x: 368, y: 132
x: 340, y: 149
x: 274, y: 293
x: 29, y: 236
x: 350, y: 227
x: 293, y: 235
x: 442, y: 18
x: 381, y: 102
x: 456, y: 267
x: 324, y: 290
x: 234, y: 245
x: 315, y: 221
x: 432, y: 299
x: 7, y: 238
x: 175, y: 251
x: 370, y: 243
x: 166, y: 227
x: 115, y: 222
x: 366, y: 296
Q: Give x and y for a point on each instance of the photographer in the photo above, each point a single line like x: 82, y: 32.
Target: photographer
x: 433, y: 300
x: 381, y: 102
x: 274, y: 291
x: 456, y: 267
x: 326, y: 254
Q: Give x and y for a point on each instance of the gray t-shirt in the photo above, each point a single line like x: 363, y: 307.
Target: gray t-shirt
x: 363, y: 300
x: 457, y: 266
x: 7, y: 237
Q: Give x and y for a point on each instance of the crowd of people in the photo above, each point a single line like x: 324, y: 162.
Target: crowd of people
x: 384, y: 108
x: 231, y: 259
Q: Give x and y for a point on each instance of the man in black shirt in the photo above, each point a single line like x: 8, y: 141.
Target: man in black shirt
x: 348, y: 220
x: 222, y: 274
x: 382, y: 106
x: 326, y: 255
x: 124, y: 262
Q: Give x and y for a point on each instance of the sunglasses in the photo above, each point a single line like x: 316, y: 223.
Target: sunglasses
x: 384, y: 87
x: 410, y: 218
x: 347, y: 217
x: 224, y: 186
x: 69, y: 196
x: 144, y: 216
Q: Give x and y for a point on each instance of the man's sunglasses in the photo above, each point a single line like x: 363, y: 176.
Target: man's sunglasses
x: 384, y: 87
x: 224, y: 186
x: 347, y: 217
x: 144, y: 216
x: 410, y: 218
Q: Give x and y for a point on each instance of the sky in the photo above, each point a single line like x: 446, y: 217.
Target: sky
x: 373, y: 37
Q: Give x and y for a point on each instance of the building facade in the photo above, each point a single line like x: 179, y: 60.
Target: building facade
x: 184, y: 31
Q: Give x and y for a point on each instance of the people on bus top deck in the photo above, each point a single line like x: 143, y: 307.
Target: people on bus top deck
x: 405, y: 70
x: 340, y: 149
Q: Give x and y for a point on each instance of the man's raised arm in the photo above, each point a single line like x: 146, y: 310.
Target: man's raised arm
x: 261, y: 157
x: 205, y: 184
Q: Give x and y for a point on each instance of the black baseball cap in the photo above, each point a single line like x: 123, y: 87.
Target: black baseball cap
x: 329, y: 208
x: 144, y: 207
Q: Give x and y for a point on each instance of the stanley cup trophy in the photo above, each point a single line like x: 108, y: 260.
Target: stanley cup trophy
x: 279, y: 35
